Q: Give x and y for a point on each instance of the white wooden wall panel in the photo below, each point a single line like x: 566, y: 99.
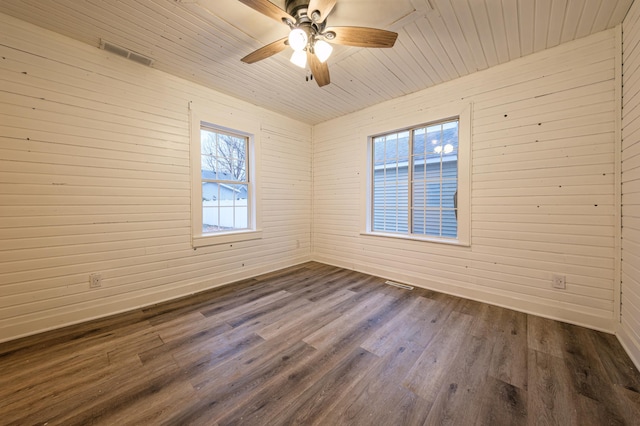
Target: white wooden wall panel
x: 629, y: 330
x: 542, y: 185
x: 94, y: 177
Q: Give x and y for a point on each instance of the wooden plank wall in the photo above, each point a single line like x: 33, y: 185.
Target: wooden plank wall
x: 629, y: 331
x: 542, y: 196
x: 94, y: 177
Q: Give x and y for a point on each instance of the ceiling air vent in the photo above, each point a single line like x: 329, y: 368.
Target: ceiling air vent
x: 125, y: 53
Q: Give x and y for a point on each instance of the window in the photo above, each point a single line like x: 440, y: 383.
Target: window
x: 419, y: 181
x: 223, y: 190
x: 224, y: 179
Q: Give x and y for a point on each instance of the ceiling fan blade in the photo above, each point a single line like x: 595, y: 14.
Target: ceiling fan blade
x: 323, y: 7
x: 266, y: 51
x: 319, y: 70
x: 269, y: 9
x: 361, y: 36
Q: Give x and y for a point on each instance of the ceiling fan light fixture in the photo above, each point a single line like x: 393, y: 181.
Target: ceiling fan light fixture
x: 308, y: 32
x: 299, y: 58
x: 322, y: 50
x: 298, y: 39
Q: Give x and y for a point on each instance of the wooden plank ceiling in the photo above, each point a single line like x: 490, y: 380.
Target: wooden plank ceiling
x: 439, y: 40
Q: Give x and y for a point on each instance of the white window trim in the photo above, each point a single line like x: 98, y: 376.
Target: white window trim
x: 464, y: 113
x: 199, y: 115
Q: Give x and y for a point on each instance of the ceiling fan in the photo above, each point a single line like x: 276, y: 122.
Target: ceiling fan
x: 310, y: 36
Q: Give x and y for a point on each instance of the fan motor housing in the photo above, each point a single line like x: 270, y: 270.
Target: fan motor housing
x: 297, y: 8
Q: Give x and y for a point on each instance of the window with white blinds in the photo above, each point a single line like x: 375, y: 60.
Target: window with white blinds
x: 415, y: 182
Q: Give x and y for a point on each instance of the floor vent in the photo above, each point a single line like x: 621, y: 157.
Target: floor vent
x: 125, y: 53
x: 395, y: 284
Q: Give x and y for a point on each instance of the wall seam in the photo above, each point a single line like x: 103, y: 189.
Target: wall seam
x: 619, y: 69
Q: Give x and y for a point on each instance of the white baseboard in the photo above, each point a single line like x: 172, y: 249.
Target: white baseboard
x: 116, y: 306
x: 126, y: 303
x: 555, y: 311
x: 630, y: 345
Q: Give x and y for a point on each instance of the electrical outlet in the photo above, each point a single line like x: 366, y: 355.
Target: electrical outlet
x: 95, y: 281
x: 559, y: 281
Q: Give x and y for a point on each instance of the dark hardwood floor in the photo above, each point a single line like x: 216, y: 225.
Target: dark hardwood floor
x: 319, y: 345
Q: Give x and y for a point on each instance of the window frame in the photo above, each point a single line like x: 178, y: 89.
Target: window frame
x: 462, y: 112
x: 199, y: 117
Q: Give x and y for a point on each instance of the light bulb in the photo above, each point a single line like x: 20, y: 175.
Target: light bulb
x: 448, y: 148
x: 322, y: 50
x: 438, y: 149
x: 299, y: 58
x: 298, y: 39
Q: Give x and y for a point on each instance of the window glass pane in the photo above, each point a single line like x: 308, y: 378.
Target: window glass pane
x: 226, y: 217
x: 210, y: 218
x: 419, y: 139
x: 391, y: 173
x: 223, y: 160
x: 241, y: 192
x: 208, y: 154
x: 419, y: 221
x: 419, y: 194
x: 233, y: 211
x: 391, y: 151
x: 378, y: 151
x: 210, y: 192
x: 434, y: 195
x: 402, y: 223
x: 380, y: 186
x: 449, y: 224
x: 433, y: 169
x: 391, y: 183
x: 450, y: 135
x: 241, y: 217
x: 433, y: 223
x: 232, y: 159
x: 403, y: 147
x: 449, y: 189
x: 450, y: 168
x: 419, y: 170
x: 434, y: 139
x: 208, y: 165
x: 207, y: 142
x: 226, y: 168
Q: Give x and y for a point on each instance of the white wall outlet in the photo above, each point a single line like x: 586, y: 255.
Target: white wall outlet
x: 559, y: 281
x: 95, y: 280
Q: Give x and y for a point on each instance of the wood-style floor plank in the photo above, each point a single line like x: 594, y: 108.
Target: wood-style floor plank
x: 550, y: 394
x: 319, y: 345
x: 321, y: 397
x: 377, y: 389
x: 545, y: 335
x: 430, y: 371
x: 502, y: 404
x: 509, y: 358
x: 629, y: 403
x: 466, y: 380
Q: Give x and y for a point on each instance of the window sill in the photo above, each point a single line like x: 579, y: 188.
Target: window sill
x: 447, y: 241
x: 225, y: 238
